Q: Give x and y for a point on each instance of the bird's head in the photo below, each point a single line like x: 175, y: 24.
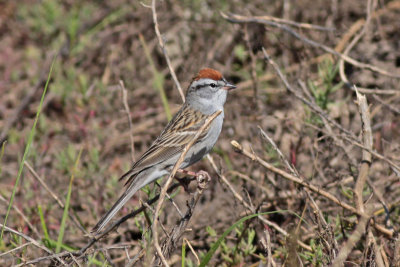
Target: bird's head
x: 208, y: 87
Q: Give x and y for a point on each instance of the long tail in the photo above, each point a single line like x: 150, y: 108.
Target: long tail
x: 138, y: 183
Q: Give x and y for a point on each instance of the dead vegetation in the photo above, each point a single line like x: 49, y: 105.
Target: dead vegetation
x: 306, y: 171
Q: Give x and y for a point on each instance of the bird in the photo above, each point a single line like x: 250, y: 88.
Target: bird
x: 206, y: 94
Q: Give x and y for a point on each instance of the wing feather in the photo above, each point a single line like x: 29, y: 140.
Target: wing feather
x: 176, y: 135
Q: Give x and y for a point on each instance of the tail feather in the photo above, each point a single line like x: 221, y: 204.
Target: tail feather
x: 135, y: 182
x: 129, y: 174
x: 130, y: 191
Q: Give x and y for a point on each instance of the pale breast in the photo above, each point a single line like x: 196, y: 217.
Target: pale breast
x: 200, y: 149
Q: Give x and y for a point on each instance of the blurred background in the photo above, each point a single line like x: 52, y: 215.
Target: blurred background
x: 95, y: 45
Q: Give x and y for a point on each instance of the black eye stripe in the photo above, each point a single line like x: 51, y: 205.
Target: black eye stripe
x: 199, y: 86
x: 213, y: 85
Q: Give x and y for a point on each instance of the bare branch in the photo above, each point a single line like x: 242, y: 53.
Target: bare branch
x: 352, y: 241
x: 128, y: 113
x: 162, y: 45
x: 366, y: 156
x: 169, y: 180
x: 302, y: 182
x: 179, y: 229
x: 268, y: 19
x: 33, y: 241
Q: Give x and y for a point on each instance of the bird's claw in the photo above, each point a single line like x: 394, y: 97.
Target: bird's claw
x: 203, y: 178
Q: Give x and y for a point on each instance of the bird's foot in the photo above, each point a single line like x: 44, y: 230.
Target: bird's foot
x: 202, y: 177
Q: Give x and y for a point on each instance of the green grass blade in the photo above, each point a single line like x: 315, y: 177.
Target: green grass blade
x: 3, y: 147
x: 65, y: 213
x: 216, y: 245
x: 53, y: 244
x: 92, y: 260
x: 183, y: 253
x: 43, y: 222
x: 27, y: 149
x: 46, y: 240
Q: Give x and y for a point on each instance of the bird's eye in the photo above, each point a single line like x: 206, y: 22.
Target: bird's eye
x: 213, y: 85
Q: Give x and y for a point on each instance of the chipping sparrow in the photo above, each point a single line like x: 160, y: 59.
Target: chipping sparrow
x: 206, y: 94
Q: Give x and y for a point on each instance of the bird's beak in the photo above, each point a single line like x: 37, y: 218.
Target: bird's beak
x: 229, y: 86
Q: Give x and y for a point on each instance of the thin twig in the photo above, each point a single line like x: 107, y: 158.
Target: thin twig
x: 72, y: 216
x: 33, y: 241
x: 378, y: 255
x: 352, y: 241
x: 76, y: 260
x: 94, y: 240
x: 162, y: 45
x: 390, y: 107
x: 15, y: 249
x: 282, y: 194
x: 396, y: 256
x: 37, y: 177
x: 282, y: 157
x: 44, y: 258
x: 33, y: 228
x: 175, y: 205
x: 64, y: 254
x: 128, y: 113
x: 193, y: 251
x: 169, y: 180
x: 170, y: 243
x: 268, y: 19
x: 266, y: 242
x: 366, y: 156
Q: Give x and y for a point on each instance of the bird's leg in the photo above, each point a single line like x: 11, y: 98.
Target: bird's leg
x: 202, y: 177
x: 186, y: 173
x: 180, y: 175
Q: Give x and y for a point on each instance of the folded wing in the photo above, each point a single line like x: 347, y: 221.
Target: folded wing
x: 178, y: 133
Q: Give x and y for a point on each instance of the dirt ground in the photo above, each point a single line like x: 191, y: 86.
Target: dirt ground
x: 318, y: 166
